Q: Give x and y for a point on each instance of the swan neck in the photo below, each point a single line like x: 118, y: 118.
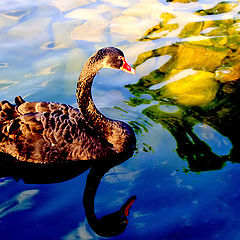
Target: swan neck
x: 84, y: 95
x: 93, y: 180
x: 117, y: 133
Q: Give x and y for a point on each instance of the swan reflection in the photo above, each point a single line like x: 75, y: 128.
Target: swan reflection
x: 109, y: 225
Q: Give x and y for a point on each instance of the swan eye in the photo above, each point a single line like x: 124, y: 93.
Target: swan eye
x: 122, y: 60
x: 115, y: 62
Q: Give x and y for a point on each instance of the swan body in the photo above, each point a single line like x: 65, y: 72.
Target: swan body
x: 47, y: 132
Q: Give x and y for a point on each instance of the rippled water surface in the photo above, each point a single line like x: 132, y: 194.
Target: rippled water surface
x: 183, y: 104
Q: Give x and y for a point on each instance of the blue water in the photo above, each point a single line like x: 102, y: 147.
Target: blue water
x: 43, y: 46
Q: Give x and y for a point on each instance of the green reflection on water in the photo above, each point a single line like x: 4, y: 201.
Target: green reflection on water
x: 201, y: 79
x: 222, y: 7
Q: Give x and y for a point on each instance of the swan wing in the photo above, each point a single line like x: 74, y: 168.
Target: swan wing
x: 48, y: 132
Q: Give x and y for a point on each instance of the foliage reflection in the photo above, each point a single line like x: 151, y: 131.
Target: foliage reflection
x: 201, y: 80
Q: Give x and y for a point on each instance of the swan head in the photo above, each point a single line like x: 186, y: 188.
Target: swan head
x: 115, y: 223
x: 113, y: 58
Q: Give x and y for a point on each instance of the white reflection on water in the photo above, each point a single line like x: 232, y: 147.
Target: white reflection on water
x: 42, y: 72
x: 178, y: 76
x: 219, y: 144
x: 4, y: 181
x: 66, y: 5
x: 19, y: 202
x: 5, y: 84
x: 81, y: 232
x: 121, y: 174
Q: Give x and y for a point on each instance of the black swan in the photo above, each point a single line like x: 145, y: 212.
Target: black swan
x: 47, y: 132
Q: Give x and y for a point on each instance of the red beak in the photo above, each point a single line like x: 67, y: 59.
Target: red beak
x: 128, y: 204
x: 126, y: 68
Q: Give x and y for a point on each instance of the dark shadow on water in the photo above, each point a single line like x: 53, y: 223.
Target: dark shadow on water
x: 31, y: 173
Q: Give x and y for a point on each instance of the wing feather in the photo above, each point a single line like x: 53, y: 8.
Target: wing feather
x: 48, y: 132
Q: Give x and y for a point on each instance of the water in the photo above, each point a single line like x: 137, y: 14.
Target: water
x: 183, y: 104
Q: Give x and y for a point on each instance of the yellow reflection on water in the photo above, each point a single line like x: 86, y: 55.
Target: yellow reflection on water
x: 197, y: 89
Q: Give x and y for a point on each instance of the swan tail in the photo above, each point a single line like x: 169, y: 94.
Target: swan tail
x: 8, y: 114
x: 7, y: 111
x: 19, y: 100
